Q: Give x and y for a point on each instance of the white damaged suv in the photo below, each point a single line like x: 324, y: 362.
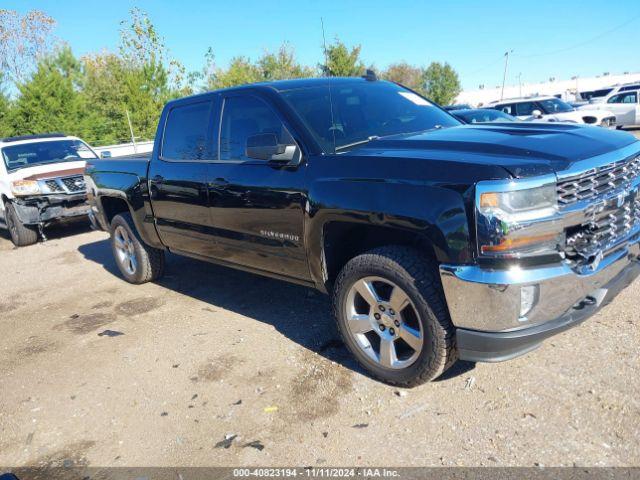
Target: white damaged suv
x: 41, y: 182
x: 552, y: 109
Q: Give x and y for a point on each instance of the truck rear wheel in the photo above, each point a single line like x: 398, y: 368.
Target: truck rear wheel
x: 137, y: 261
x: 21, y: 234
x: 392, y: 316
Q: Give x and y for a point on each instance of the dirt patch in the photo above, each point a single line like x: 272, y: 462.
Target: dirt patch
x: 53, y: 466
x: 68, y: 258
x: 34, y: 346
x: 81, y: 324
x: 101, y: 305
x: 10, y: 304
x: 215, y: 369
x: 138, y: 306
x: 315, y: 392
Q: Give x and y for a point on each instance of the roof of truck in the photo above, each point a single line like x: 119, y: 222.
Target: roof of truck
x: 43, y: 137
x: 284, y: 85
x: 533, y: 98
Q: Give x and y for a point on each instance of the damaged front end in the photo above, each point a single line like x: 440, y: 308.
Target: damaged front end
x: 50, y: 200
x: 47, y: 209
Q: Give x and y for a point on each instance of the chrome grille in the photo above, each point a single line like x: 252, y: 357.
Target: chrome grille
x: 74, y: 184
x: 611, y: 206
x: 609, y: 224
x: 54, y: 186
x: 598, y: 181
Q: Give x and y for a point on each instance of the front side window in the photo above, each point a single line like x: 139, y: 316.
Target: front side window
x: 615, y: 99
x: 244, y: 117
x: 509, y: 109
x: 341, y: 115
x: 630, y: 98
x: 555, y: 105
x: 41, y: 153
x: 186, y: 133
x: 525, y: 108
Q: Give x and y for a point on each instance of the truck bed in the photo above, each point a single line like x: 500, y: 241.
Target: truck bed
x: 130, y: 164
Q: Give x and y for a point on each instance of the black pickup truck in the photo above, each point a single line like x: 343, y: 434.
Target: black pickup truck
x: 437, y: 240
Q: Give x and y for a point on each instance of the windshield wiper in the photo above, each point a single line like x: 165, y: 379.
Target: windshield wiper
x: 359, y: 142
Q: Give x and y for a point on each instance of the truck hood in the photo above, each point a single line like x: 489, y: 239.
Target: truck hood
x: 523, y: 149
x: 49, y: 170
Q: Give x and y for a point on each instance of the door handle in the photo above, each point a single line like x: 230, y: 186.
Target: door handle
x: 157, y: 179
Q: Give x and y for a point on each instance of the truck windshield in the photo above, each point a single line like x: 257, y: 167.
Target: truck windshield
x: 363, y: 111
x: 40, y: 153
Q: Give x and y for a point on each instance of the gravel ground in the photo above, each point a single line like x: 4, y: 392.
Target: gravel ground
x: 209, y: 353
x: 214, y: 367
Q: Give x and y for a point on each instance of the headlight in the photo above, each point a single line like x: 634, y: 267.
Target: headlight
x: 25, y: 187
x: 518, y: 218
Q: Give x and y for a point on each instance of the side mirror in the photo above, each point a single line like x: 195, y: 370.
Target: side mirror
x: 265, y: 146
x: 537, y: 113
x: 105, y: 154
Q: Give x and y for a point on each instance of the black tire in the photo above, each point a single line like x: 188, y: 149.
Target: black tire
x: 417, y: 275
x: 149, y: 261
x: 21, y: 234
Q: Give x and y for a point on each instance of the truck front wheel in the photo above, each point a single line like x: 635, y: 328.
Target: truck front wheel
x: 137, y: 261
x: 392, y: 316
x: 21, y: 234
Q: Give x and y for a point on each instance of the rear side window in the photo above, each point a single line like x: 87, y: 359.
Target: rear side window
x: 187, y: 133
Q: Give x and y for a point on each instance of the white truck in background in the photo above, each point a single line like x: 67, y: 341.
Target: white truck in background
x: 625, y: 105
x: 41, y: 182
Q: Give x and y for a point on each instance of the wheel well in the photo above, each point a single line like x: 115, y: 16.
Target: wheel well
x: 112, y: 206
x: 344, y: 241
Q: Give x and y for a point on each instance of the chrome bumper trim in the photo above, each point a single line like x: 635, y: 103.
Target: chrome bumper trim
x: 490, y: 300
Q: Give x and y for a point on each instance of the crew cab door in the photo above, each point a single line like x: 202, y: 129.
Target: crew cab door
x: 178, y: 176
x: 256, y: 205
x: 625, y: 107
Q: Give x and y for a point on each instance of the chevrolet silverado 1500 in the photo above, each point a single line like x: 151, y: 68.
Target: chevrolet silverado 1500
x: 437, y: 240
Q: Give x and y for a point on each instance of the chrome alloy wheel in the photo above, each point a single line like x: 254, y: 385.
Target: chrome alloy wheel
x: 384, y: 323
x: 125, y: 250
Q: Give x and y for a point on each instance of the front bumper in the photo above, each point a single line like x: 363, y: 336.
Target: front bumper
x: 47, y: 209
x: 486, y: 305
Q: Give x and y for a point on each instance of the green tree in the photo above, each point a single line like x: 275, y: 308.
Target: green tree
x: 49, y: 100
x: 103, y: 91
x: 147, y: 78
x: 407, y: 75
x: 6, y: 129
x: 442, y: 84
x: 342, y: 62
x: 241, y: 71
x: 282, y: 65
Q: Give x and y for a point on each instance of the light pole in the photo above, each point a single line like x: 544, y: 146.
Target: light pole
x: 504, y: 77
x: 520, y: 83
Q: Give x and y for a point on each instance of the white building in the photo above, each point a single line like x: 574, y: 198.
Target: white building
x: 566, y: 89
